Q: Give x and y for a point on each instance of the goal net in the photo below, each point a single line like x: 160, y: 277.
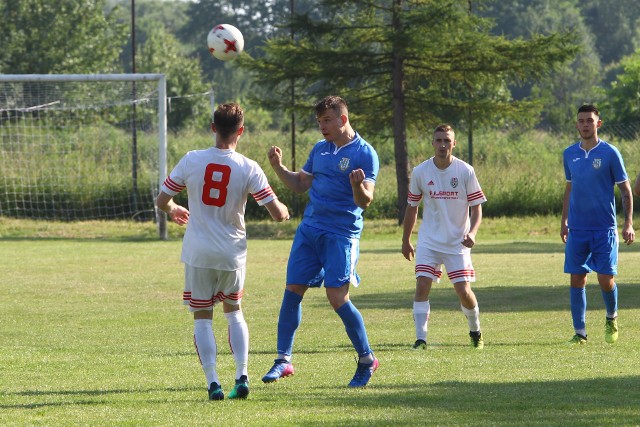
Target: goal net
x: 82, y: 147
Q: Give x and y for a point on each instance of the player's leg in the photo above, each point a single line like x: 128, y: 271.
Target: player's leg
x: 340, y: 256
x: 605, y: 261
x: 303, y: 267
x: 470, y: 309
x: 578, y: 303
x: 198, y: 295
x: 461, y: 273
x: 232, y: 286
x: 428, y: 268
x: 577, y: 255
x: 207, y: 350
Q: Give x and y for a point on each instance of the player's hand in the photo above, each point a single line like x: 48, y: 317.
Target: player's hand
x: 275, y: 156
x: 356, y: 177
x: 564, y: 233
x: 179, y: 215
x: 628, y: 234
x: 469, y: 240
x: 408, y: 251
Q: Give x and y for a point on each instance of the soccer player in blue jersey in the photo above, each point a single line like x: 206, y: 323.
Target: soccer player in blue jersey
x: 588, y: 227
x: 340, y: 176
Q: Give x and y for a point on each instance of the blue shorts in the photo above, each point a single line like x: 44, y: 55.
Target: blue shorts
x: 317, y: 256
x: 591, y: 250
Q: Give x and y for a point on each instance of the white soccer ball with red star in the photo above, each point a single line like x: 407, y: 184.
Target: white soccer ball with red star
x: 225, y: 42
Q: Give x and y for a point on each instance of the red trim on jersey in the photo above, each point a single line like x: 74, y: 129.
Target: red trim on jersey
x: 263, y: 194
x: 414, y: 197
x: 172, y: 185
x: 475, y: 196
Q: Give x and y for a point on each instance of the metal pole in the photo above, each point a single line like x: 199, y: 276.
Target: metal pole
x: 134, y: 132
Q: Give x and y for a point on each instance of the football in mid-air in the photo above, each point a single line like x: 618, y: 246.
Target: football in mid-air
x: 225, y: 42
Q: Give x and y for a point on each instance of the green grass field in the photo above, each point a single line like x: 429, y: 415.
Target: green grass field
x: 93, y: 333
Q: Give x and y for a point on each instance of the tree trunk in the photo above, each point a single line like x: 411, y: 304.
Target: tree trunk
x: 399, y: 122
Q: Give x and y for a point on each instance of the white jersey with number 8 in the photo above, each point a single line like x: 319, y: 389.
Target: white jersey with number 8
x: 217, y: 182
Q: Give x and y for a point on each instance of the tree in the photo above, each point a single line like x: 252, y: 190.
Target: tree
x: 161, y: 54
x: 65, y: 36
x: 566, y: 85
x: 406, y: 64
x: 623, y: 98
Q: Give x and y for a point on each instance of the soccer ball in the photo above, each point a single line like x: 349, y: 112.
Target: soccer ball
x: 225, y: 42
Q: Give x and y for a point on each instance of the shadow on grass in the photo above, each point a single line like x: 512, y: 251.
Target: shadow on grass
x: 85, y: 395
x: 597, y: 401
x: 500, y: 299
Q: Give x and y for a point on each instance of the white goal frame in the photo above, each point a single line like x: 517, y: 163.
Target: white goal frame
x: 162, y: 114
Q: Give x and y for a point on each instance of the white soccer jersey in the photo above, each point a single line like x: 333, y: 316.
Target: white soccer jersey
x: 217, y: 182
x: 447, y: 196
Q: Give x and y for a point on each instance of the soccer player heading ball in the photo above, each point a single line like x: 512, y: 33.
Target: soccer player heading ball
x: 340, y: 176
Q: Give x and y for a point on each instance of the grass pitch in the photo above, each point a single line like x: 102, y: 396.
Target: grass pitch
x: 93, y: 332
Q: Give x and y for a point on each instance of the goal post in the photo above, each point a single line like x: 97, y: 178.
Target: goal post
x: 83, y: 146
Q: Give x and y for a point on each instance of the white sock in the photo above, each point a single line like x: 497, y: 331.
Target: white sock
x: 473, y: 318
x: 206, y: 348
x: 238, y: 341
x: 421, y: 311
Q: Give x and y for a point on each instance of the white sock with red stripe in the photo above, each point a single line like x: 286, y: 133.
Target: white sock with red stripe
x: 206, y: 348
x: 238, y: 341
x: 473, y: 317
x: 421, y: 311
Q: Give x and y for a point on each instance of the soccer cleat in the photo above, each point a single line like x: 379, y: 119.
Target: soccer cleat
x: 363, y: 374
x: 241, y: 389
x: 476, y: 340
x: 611, y: 331
x: 215, y: 392
x: 420, y: 345
x: 578, y: 340
x: 281, y: 368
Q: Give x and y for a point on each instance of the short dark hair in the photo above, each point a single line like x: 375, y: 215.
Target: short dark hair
x: 445, y: 127
x: 228, y: 118
x: 331, y: 102
x: 589, y: 108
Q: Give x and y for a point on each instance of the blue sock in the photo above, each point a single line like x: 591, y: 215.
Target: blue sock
x: 578, y: 307
x: 354, y: 325
x: 288, y: 321
x: 611, y: 300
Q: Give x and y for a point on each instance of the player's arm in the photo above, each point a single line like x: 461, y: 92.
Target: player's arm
x: 628, y: 234
x: 362, y: 190
x: 277, y: 210
x: 564, y: 221
x: 410, y: 218
x: 177, y: 213
x: 475, y: 219
x: 298, y: 182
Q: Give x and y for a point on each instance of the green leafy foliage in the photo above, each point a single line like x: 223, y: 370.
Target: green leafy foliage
x: 65, y: 36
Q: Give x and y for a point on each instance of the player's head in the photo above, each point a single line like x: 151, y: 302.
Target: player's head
x: 228, y: 120
x: 444, y: 139
x: 332, y: 118
x: 588, y: 122
x: 589, y: 108
x: 332, y: 103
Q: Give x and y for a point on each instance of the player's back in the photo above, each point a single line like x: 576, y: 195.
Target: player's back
x: 218, y: 182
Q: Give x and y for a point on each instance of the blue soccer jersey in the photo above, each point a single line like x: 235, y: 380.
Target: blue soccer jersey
x: 331, y: 206
x: 593, y: 175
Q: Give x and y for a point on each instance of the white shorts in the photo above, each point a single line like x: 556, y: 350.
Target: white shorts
x: 204, y: 287
x: 459, y: 267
